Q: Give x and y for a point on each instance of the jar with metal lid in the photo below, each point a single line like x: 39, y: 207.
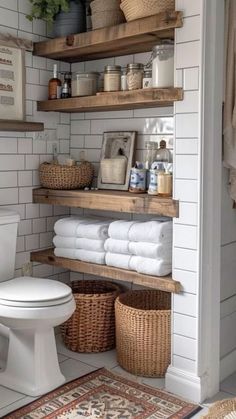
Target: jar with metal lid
x: 112, y: 78
x: 147, y: 79
x: 163, y: 64
x: 85, y: 84
x: 164, y: 182
x: 135, y: 76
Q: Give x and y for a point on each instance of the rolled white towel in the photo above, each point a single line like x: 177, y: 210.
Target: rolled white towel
x: 93, y: 230
x: 79, y: 243
x: 151, y: 231
x: 117, y: 246
x: 152, y: 250
x: 90, y: 256
x: 68, y: 226
x: 65, y: 253
x: 155, y: 267
x: 119, y: 229
x: 117, y: 260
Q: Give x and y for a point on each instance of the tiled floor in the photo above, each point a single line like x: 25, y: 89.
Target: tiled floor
x: 74, y: 365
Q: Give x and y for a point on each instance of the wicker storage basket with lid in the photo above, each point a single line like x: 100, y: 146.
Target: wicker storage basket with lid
x: 143, y: 332
x: 92, y: 326
x: 136, y: 9
x: 57, y: 176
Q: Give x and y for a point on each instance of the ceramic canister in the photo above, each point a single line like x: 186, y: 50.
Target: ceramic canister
x: 153, y: 182
x: 138, y: 180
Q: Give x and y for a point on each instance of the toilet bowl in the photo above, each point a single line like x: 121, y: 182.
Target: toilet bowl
x: 30, y: 308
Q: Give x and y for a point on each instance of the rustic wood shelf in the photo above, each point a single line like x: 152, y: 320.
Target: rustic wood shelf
x: 108, y: 201
x: 20, y: 126
x: 142, y: 98
x: 164, y: 283
x: 128, y: 38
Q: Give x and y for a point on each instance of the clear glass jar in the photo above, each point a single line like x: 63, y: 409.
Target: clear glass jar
x: 150, y: 153
x: 163, y: 64
x: 85, y: 84
x: 112, y: 78
x: 147, y: 79
x: 135, y: 76
x: 163, y: 154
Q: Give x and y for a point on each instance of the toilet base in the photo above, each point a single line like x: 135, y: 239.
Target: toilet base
x: 32, y: 365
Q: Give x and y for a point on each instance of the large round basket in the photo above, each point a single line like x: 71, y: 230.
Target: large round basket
x: 55, y: 176
x: 98, y: 6
x: 92, y: 326
x: 143, y: 332
x: 136, y: 9
x: 107, y: 18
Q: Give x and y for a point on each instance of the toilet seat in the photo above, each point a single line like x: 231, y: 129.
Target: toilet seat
x: 28, y: 292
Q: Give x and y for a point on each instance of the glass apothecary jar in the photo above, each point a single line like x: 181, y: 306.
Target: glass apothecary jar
x: 135, y: 76
x: 85, y: 84
x: 112, y: 78
x: 163, y: 64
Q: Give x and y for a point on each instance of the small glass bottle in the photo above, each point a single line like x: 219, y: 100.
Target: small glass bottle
x: 65, y: 89
x: 147, y: 79
x: 124, y: 80
x: 54, y: 85
x: 163, y: 154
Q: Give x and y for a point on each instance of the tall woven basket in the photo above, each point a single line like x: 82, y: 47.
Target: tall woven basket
x: 136, y: 9
x: 92, y: 326
x: 143, y: 332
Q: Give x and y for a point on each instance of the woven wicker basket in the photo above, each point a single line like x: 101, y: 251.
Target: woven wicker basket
x: 92, y: 326
x: 101, y: 5
x: 143, y: 332
x: 135, y: 9
x: 107, y: 18
x: 55, y: 176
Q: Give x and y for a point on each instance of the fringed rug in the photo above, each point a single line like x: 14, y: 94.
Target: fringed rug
x: 224, y: 409
x: 104, y: 395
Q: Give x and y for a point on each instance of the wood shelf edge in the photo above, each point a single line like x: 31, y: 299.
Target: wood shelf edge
x: 20, y: 126
x: 162, y: 283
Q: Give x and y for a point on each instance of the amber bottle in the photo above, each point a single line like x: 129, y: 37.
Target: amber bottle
x: 54, y: 85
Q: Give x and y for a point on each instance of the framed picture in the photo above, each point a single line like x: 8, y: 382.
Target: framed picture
x: 12, y: 81
x: 116, y: 160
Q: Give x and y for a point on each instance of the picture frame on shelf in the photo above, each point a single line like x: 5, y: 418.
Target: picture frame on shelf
x: 116, y: 161
x: 12, y: 81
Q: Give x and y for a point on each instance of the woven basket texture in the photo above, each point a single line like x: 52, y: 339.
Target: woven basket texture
x: 55, y: 176
x: 92, y: 326
x: 143, y: 321
x: 107, y: 18
x: 136, y: 9
x: 101, y: 5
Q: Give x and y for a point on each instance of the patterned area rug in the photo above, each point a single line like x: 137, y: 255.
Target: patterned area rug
x: 224, y: 409
x: 103, y: 395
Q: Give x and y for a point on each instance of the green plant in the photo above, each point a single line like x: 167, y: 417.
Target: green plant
x: 47, y: 9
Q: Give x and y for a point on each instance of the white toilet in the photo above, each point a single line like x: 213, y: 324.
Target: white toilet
x: 29, y: 310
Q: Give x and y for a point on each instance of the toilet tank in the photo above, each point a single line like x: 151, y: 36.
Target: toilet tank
x: 8, y: 232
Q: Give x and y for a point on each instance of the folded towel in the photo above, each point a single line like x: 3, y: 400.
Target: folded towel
x: 118, y: 260
x: 79, y: 243
x: 81, y: 254
x: 151, y: 231
x: 155, y: 267
x: 119, y: 229
x: 65, y: 253
x: 90, y: 228
x: 117, y: 246
x: 151, y: 250
x: 93, y: 230
x: 89, y: 256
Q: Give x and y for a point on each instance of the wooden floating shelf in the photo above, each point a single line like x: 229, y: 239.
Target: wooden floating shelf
x: 165, y: 283
x: 108, y: 201
x: 128, y: 38
x: 20, y: 126
x: 142, y: 98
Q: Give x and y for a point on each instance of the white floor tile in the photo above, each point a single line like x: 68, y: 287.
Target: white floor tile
x: 229, y: 384
x: 154, y: 382
x: 62, y: 358
x: 8, y: 396
x: 99, y: 360
x: 14, y: 406
x: 219, y: 396
x: 72, y: 369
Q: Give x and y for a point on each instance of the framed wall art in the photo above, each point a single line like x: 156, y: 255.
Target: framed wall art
x: 12, y: 81
x: 116, y: 160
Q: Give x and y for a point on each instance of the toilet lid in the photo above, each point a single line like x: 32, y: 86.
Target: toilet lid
x: 34, y: 292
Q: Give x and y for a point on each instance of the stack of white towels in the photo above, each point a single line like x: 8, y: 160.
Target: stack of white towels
x: 145, y: 247
x: 81, y: 238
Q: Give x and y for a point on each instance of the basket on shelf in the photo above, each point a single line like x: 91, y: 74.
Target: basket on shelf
x: 107, y: 18
x: 143, y: 334
x: 92, y: 326
x: 98, y: 6
x: 136, y: 9
x: 56, y: 176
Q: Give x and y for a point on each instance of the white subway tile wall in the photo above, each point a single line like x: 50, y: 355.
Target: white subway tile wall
x: 20, y: 154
